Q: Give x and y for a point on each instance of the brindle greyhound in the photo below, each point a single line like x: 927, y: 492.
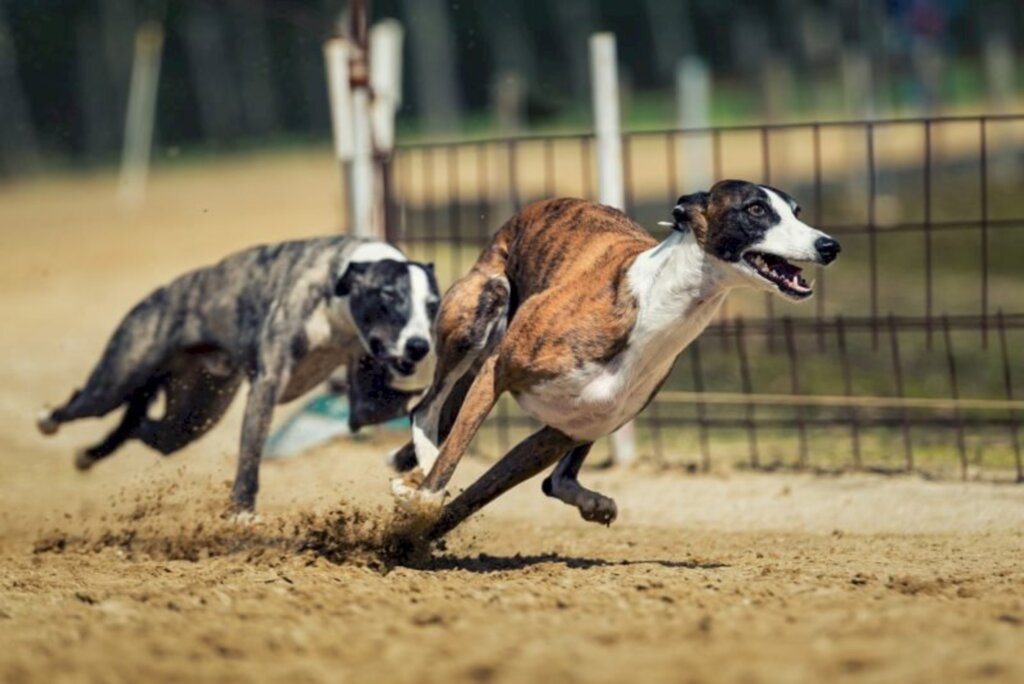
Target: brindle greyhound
x: 580, y: 314
x: 284, y: 316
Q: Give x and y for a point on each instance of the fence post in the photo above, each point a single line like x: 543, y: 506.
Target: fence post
x: 693, y: 110
x: 363, y: 126
x: 366, y: 218
x: 138, y: 128
x: 386, y: 80
x: 509, y: 102
x: 605, y: 84
x: 858, y: 83
x: 605, y: 89
x: 336, y: 51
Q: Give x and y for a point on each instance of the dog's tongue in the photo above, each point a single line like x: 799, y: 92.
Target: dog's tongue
x: 787, y: 272
x: 791, y: 274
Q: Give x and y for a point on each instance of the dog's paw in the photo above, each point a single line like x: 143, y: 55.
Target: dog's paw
x: 244, y: 518
x: 402, y: 459
x: 598, y: 508
x: 413, y: 499
x: 45, y: 422
x: 84, y: 460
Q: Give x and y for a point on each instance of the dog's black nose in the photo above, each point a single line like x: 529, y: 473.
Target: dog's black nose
x: 828, y: 249
x: 416, y: 348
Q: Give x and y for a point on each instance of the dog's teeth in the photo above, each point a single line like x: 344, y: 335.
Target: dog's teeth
x: 666, y: 223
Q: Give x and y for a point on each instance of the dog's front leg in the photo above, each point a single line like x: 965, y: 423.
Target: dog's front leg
x: 264, y: 392
x: 563, y: 485
x: 480, y: 399
x: 529, y: 457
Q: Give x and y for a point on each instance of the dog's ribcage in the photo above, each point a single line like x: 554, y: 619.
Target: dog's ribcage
x: 670, y: 283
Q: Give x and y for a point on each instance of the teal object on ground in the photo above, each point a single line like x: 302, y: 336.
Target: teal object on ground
x: 321, y: 419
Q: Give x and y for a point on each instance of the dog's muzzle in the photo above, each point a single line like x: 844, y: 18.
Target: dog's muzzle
x: 417, y: 348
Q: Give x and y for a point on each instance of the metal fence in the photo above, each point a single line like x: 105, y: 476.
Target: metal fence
x: 908, y: 356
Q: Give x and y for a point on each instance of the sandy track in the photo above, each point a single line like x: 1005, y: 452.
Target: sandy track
x: 127, y: 573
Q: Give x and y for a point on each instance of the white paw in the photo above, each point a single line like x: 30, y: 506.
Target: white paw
x: 245, y: 518
x: 415, y: 499
x: 45, y: 422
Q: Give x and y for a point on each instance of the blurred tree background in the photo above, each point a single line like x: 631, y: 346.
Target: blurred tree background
x: 243, y: 73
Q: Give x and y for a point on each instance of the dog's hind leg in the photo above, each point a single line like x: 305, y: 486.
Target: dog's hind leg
x: 528, y: 458
x: 135, y: 351
x: 93, y: 401
x: 134, y: 414
x: 195, y: 401
x: 563, y: 485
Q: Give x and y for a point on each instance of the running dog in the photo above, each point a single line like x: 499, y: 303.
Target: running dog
x: 284, y: 317
x: 580, y: 314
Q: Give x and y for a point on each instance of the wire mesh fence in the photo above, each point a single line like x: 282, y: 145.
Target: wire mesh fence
x: 907, y: 359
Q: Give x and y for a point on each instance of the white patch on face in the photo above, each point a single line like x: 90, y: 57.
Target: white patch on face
x: 790, y: 238
x: 418, y: 325
x: 376, y: 251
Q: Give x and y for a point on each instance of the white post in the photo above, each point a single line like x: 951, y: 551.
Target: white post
x: 364, y: 221
x: 693, y: 110
x: 386, y: 78
x: 605, y: 88
x: 858, y: 85
x: 1000, y: 71
x: 336, y: 54
x: 509, y: 93
x: 138, y: 127
x: 605, y: 83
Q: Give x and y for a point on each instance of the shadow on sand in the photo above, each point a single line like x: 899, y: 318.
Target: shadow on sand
x: 485, y: 563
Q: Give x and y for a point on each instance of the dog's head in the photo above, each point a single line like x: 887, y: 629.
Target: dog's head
x: 757, y: 231
x: 393, y: 305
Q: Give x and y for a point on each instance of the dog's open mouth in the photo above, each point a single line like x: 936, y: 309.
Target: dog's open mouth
x: 403, y: 366
x: 780, y: 273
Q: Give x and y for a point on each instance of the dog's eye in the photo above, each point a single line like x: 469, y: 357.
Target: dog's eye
x: 756, y: 210
x: 388, y: 296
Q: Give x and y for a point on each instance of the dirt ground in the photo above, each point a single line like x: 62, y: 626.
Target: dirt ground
x: 128, y: 574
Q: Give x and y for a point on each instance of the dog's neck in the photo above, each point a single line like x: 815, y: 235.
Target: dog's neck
x: 678, y: 289
x: 677, y: 279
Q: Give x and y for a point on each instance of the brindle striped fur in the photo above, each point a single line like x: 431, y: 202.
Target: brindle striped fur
x: 503, y: 326
x: 544, y: 252
x: 580, y: 314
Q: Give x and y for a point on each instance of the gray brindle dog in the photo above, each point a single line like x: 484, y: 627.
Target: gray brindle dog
x: 284, y: 317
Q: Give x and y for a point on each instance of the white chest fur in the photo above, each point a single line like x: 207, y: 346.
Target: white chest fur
x: 678, y: 289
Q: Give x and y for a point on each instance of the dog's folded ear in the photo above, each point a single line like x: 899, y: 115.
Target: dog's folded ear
x: 343, y: 286
x: 691, y: 211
